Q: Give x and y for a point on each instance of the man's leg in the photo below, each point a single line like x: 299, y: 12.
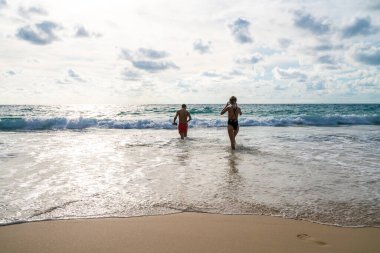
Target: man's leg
x: 181, y: 130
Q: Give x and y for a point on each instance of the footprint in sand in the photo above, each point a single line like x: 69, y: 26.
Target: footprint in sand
x: 307, y: 237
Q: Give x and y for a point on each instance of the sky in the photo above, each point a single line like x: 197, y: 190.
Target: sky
x: 160, y: 51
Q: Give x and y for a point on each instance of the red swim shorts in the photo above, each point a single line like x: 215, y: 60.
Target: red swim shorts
x: 182, y: 128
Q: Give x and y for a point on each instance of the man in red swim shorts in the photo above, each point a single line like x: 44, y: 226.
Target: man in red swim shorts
x: 184, y: 117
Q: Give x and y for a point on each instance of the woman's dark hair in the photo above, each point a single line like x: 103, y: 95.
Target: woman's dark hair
x: 233, y: 99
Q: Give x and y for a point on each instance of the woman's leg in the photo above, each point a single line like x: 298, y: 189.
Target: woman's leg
x: 231, y: 134
x: 236, y: 131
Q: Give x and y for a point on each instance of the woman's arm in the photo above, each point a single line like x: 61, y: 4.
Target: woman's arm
x: 225, y: 109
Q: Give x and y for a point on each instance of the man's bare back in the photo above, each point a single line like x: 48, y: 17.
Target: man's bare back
x: 184, y: 117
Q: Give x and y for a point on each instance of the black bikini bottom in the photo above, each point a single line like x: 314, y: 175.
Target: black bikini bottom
x: 233, y: 123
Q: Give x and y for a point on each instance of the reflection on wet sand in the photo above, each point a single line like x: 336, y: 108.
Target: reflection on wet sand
x: 183, y: 156
x: 232, y: 162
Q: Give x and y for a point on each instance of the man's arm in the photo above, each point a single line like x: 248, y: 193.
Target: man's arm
x: 240, y: 111
x: 175, y: 117
x: 188, y: 114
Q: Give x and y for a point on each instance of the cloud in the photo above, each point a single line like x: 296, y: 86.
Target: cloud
x: 71, y: 76
x: 368, y: 82
x: 236, y: 72
x: 148, y: 84
x: 281, y: 87
x: 253, y: 59
x: 126, y: 54
x: 326, y: 59
x: 323, y: 47
x: 307, y: 22
x: 152, y: 54
x: 240, y: 30
x: 11, y: 72
x: 145, y: 59
x: 82, y: 32
x: 32, y: 10
x: 154, y: 66
x: 75, y: 76
x: 211, y: 74
x: 184, y: 86
x: 39, y: 34
x: 369, y: 55
x: 202, y: 47
x: 3, y: 4
x: 142, y: 53
x: 130, y: 75
x: 284, y: 43
x: 214, y: 74
x: 290, y: 73
x: 316, y: 86
x: 327, y: 46
x: 374, y: 6
x: 360, y: 26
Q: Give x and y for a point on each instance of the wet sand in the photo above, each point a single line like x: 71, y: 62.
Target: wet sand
x: 186, y: 232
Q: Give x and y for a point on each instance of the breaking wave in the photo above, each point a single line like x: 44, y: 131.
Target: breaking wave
x: 62, y: 123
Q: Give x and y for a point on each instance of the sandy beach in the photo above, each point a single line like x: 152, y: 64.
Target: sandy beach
x: 186, y: 232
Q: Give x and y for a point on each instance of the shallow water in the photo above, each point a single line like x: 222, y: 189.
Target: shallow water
x: 323, y: 174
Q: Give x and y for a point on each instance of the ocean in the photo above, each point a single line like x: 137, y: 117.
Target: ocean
x: 315, y: 162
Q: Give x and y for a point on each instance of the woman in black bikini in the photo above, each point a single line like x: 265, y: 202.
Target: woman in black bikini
x: 233, y: 124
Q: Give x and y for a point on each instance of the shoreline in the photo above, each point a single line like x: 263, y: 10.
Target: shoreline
x: 187, y: 212
x: 186, y: 232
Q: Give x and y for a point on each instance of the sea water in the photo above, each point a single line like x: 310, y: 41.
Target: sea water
x: 314, y: 162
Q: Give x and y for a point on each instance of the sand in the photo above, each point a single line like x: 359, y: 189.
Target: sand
x: 186, y: 232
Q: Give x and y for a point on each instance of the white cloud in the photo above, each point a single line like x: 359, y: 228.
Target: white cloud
x: 28, y: 12
x: 359, y: 26
x: 39, y: 34
x: 75, y: 76
x: 130, y: 75
x: 284, y: 42
x: 308, y: 22
x: 289, y: 74
x: 267, y: 51
x: 153, y: 54
x: 253, y: 59
x: 153, y: 66
x: 215, y: 74
x: 202, y: 47
x: 3, y: 4
x: 70, y: 77
x: 148, y: 60
x: 82, y: 32
x: 240, y: 30
x: 369, y: 55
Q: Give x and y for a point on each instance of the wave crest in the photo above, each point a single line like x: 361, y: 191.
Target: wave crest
x: 61, y: 123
